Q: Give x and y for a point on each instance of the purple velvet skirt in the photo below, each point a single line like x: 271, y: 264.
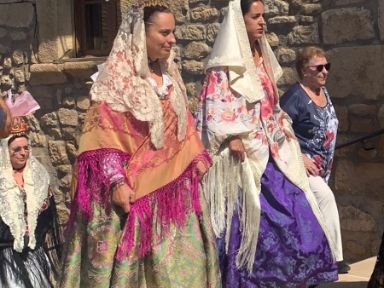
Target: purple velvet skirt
x: 292, y: 249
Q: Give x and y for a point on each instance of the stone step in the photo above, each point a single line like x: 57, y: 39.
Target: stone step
x: 358, y: 277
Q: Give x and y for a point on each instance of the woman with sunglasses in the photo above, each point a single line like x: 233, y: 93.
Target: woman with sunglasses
x: 315, y: 124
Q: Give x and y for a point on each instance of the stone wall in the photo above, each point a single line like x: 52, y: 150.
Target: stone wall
x: 352, y: 31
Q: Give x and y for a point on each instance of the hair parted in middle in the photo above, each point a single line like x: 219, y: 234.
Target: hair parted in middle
x: 149, y: 11
x: 246, y: 5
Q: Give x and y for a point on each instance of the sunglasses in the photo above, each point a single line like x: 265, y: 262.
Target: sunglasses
x: 320, y: 67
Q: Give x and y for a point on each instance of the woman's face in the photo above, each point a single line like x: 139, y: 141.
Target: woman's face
x: 254, y: 21
x: 19, y: 152
x: 159, y: 35
x: 316, y: 72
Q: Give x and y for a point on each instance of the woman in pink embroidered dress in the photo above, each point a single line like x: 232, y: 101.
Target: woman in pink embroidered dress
x: 270, y: 232
x: 137, y: 218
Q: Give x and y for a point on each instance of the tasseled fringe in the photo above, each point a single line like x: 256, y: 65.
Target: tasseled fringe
x: 229, y: 185
x: 156, y: 212
x: 92, y: 184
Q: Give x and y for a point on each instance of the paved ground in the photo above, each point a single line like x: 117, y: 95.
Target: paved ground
x: 356, y: 278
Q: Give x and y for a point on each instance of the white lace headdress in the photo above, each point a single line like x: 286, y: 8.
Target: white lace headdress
x: 12, y: 206
x: 232, y: 49
x: 123, y: 82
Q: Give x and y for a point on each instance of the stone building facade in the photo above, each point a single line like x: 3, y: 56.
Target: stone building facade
x: 36, y: 41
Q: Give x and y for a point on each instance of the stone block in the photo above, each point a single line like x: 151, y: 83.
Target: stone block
x: 196, y: 51
x: 47, y: 17
x: 204, y: 14
x: 7, y: 63
x: 68, y: 117
x: 68, y: 102
x: 362, y: 118
x: 212, y: 30
x: 360, y: 179
x: 311, y: 9
x: 57, y: 152
x: 289, y: 77
x: 305, y: 19
x: 63, y: 170
x: 193, y: 89
x: 273, y: 39
x: 193, y: 67
x: 69, y: 133
x: 37, y: 139
x: 355, y: 249
x: 83, y: 103
x: 190, y: 32
x: 308, y: 34
x: 381, y: 147
x: 193, y: 104
x: 347, y: 25
x: 282, y: 20
x: 342, y: 115
x: 54, y: 132
x: 380, y: 116
x: 354, y: 219
x: 381, y: 19
x: 18, y: 35
x: 80, y: 70
x: 45, y: 74
x: 49, y: 120
x: 3, y: 32
x: 10, y: 15
x: 65, y: 182
x: 285, y: 55
x: 348, y: 2
x: 18, y: 57
x: 19, y: 76
x: 276, y: 8
x: 348, y: 151
x: 72, y: 152
x: 357, y: 71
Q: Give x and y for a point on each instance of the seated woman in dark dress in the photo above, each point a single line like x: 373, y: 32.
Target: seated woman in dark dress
x: 27, y: 215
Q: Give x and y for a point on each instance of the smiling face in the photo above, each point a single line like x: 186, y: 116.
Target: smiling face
x: 160, y: 35
x: 311, y: 73
x: 254, y: 21
x: 18, y: 152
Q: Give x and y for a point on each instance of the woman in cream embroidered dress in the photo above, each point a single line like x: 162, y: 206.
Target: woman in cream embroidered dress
x: 138, y: 219
x: 269, y: 228
x: 27, y: 215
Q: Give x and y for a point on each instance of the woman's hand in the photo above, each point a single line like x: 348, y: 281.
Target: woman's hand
x: 237, y: 149
x: 310, y: 166
x: 122, y: 196
x: 201, y: 169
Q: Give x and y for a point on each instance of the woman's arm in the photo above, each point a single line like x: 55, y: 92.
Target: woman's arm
x: 220, y: 114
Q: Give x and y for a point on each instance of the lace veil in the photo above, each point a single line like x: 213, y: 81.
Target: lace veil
x: 123, y: 82
x: 36, y: 184
x: 232, y: 50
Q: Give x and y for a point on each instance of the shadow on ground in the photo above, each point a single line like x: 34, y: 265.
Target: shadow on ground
x: 361, y: 284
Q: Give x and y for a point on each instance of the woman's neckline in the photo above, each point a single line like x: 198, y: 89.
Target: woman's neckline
x: 305, y: 89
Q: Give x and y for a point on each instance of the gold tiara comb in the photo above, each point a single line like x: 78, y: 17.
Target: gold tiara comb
x: 19, y: 126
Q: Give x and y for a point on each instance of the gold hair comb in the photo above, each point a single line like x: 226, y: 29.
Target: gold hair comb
x: 19, y: 126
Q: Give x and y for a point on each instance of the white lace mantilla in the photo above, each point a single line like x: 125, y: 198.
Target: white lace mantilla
x: 36, y: 183
x: 123, y: 85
